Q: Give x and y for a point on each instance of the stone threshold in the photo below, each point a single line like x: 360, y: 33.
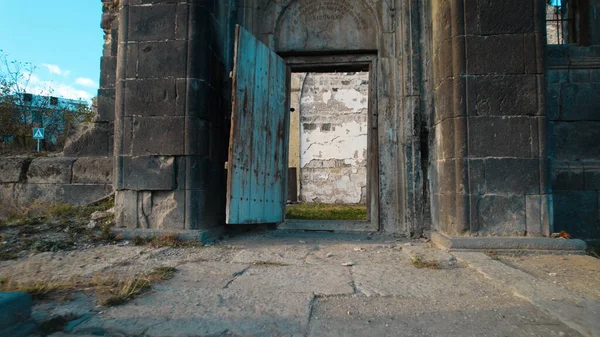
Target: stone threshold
x: 200, y: 235
x: 509, y: 244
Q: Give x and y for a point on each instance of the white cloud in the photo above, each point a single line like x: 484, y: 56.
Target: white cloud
x: 49, y: 88
x: 53, y: 69
x: 86, y: 82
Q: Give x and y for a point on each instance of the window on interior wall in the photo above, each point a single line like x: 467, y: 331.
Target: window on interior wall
x: 564, y: 21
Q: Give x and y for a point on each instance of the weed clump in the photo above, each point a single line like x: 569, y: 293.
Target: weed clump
x: 170, y: 240
x: 125, y: 290
x: 419, y: 262
x: 42, y: 227
x: 164, y: 273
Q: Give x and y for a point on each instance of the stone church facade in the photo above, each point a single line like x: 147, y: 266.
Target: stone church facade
x: 483, y: 129
x: 479, y: 128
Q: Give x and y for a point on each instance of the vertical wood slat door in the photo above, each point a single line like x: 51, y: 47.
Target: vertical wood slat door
x: 257, y: 165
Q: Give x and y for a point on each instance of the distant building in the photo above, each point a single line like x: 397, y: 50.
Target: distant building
x: 44, y: 112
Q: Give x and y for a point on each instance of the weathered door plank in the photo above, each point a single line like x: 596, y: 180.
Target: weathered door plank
x: 271, y: 145
x: 257, y: 154
x: 261, y: 112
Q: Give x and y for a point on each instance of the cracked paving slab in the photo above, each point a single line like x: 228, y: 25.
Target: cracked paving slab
x: 174, y: 258
x: 320, y: 280
x: 70, y: 265
x: 452, y: 316
x: 205, y: 275
x: 578, y: 312
x: 573, y: 272
x: 190, y: 311
x: 358, y: 253
x: 283, y: 254
x: 407, y: 281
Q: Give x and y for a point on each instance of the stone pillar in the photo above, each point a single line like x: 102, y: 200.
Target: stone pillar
x: 490, y: 162
x: 169, y: 122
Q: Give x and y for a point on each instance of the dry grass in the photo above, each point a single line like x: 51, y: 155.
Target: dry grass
x: 114, y: 291
x: 13, y: 209
x: 22, y: 212
x: 419, y: 262
x: 119, y: 292
x: 38, y: 289
x: 109, y: 290
x: 42, y: 227
x: 269, y: 263
x: 165, y: 240
x: 492, y: 254
x: 164, y: 273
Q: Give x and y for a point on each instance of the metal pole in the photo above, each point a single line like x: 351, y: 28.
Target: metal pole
x: 38, y: 145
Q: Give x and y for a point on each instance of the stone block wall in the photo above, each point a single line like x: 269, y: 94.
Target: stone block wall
x: 54, y: 180
x: 84, y: 171
x: 489, y: 161
x: 170, y: 113
x: 573, y: 103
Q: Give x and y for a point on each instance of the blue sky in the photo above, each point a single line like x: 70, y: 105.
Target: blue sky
x: 62, y: 39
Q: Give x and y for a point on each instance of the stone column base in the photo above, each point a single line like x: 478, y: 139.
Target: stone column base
x: 203, y: 236
x: 509, y: 244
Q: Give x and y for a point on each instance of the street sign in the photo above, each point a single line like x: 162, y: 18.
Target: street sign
x: 38, y: 133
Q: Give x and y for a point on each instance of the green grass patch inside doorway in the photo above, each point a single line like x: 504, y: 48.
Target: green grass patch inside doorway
x: 318, y: 211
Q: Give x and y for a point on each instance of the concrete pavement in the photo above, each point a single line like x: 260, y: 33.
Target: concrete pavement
x: 321, y: 284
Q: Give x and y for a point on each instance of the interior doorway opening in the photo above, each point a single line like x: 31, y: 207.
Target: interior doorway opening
x: 328, y: 146
x: 259, y: 150
x: 333, y: 159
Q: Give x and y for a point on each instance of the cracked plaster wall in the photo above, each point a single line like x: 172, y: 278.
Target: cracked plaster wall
x: 331, y: 136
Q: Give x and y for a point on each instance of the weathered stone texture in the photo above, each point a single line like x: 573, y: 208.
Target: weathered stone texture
x: 50, y: 170
x: 457, y: 85
x: 91, y: 140
x: 77, y: 195
x: 573, y: 100
x: 149, y: 173
x: 170, y: 101
x: 11, y: 169
x: 158, y: 136
x: 495, y: 54
x: 499, y: 137
x: 509, y: 95
x: 93, y: 170
x: 152, y: 23
x: 155, y: 97
x: 518, y: 20
x: 577, y: 140
x: 576, y: 212
x: 539, y: 215
x: 499, y: 215
x: 488, y: 120
x: 517, y: 176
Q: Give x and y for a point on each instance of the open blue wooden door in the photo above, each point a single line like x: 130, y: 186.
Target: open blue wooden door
x: 258, y: 144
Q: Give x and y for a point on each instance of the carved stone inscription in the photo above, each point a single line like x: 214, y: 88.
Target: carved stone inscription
x: 326, y: 25
x: 329, y: 10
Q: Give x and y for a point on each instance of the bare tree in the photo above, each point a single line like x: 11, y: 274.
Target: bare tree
x: 20, y: 111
